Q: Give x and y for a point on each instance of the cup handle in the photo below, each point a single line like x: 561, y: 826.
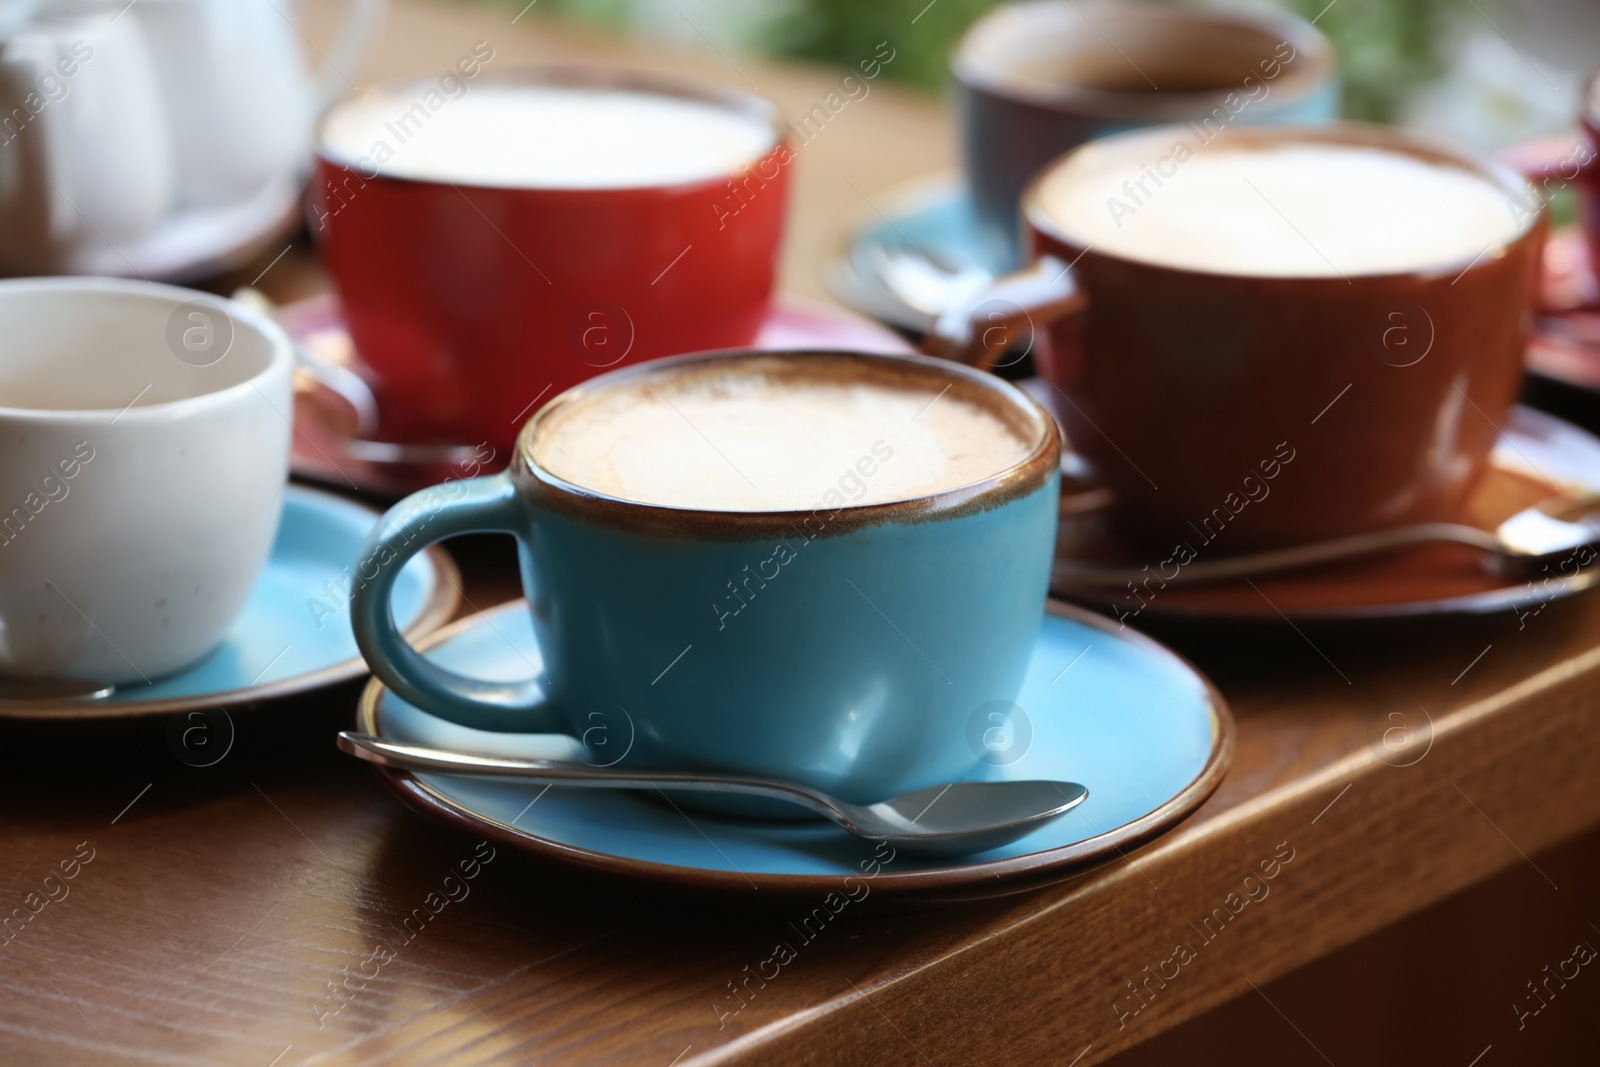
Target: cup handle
x: 339, y: 380
x: 484, y: 505
x: 979, y: 329
x: 343, y: 383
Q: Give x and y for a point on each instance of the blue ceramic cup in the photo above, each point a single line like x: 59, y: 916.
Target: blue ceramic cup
x: 845, y: 646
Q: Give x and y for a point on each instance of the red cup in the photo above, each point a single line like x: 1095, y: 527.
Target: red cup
x: 471, y: 304
x: 1567, y: 162
x: 1585, y: 167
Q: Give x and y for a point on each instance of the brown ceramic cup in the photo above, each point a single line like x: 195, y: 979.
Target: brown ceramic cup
x: 1261, y: 411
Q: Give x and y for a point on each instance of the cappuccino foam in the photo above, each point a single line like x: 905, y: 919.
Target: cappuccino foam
x: 1301, y: 210
x: 759, y: 436
x: 542, y: 137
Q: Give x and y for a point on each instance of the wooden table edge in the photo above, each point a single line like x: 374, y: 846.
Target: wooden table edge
x: 1487, y: 740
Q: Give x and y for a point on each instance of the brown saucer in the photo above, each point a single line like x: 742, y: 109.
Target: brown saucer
x: 1538, y: 456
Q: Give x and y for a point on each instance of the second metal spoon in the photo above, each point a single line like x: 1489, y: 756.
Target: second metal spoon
x: 942, y: 820
x: 1556, y: 532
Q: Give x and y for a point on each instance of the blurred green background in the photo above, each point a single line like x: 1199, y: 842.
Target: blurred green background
x: 1492, y: 72
x: 1386, y: 45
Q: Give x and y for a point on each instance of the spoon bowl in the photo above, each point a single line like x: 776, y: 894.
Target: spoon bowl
x: 1559, y: 532
x: 942, y: 820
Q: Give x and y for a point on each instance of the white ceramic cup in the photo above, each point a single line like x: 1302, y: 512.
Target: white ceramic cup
x: 144, y: 448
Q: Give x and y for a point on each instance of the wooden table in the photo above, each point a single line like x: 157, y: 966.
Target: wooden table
x: 212, y: 909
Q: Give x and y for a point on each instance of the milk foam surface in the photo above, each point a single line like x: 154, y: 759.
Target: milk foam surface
x: 1307, y: 210
x: 543, y: 137
x: 752, y: 441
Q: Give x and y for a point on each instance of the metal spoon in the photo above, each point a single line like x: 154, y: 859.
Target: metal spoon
x: 1554, y: 532
x: 942, y: 820
x: 929, y: 285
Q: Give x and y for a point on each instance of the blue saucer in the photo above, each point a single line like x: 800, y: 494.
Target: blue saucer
x: 1112, y: 709
x: 904, y: 265
x: 294, y: 632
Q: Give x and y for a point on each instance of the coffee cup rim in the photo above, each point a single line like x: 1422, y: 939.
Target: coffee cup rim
x: 976, y: 73
x: 1344, y: 132
x: 281, y: 357
x: 569, y: 75
x: 1010, y: 483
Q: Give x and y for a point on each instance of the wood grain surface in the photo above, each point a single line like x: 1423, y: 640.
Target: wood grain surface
x: 280, y: 908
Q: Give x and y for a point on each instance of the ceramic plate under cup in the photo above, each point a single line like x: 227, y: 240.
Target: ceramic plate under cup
x: 1538, y: 457
x: 1111, y: 709
x: 281, y: 644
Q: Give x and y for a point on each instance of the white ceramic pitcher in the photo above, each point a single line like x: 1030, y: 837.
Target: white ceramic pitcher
x: 117, y: 118
x: 83, y: 138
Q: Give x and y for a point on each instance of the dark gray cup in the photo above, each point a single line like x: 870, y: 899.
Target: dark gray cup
x: 1038, y: 78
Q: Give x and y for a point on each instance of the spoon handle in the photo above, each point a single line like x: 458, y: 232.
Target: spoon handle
x: 440, y: 761
x: 1282, y: 559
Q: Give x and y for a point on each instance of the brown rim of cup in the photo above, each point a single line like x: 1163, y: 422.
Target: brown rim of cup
x: 1361, y: 134
x: 978, y: 72
x: 1016, y: 408
x: 568, y: 76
